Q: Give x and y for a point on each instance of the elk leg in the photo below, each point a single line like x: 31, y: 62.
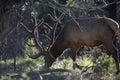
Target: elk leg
x: 112, y: 51
x: 73, y: 57
x: 78, y: 53
x: 116, y: 62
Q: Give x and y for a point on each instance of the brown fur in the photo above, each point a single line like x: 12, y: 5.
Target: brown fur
x: 84, y: 32
x: 95, y: 31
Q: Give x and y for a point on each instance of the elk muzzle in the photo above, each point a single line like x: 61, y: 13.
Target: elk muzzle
x: 48, y: 61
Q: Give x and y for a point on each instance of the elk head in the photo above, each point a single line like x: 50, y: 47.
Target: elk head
x: 49, y: 59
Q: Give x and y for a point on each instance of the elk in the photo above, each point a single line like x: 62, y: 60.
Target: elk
x: 76, y: 34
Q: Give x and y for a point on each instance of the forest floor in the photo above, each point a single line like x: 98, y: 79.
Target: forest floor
x: 27, y: 69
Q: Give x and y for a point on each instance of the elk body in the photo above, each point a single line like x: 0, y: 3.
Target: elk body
x: 94, y: 32
x: 84, y: 32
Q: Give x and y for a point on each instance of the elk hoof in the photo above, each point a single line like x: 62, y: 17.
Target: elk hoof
x: 74, y: 66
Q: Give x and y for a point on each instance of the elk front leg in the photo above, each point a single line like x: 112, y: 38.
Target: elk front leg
x: 73, y: 57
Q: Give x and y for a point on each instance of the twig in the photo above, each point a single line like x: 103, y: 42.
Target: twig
x: 57, y: 70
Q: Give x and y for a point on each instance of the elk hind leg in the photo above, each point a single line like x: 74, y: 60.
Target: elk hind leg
x: 73, y: 57
x: 112, y: 51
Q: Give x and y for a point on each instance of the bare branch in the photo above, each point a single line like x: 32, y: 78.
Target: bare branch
x: 8, y: 31
x: 57, y: 70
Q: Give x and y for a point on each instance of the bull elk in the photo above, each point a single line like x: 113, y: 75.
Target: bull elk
x: 76, y: 34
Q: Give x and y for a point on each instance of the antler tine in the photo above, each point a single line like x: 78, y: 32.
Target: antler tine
x: 53, y: 19
x: 58, y: 19
x: 25, y: 27
x: 37, y: 23
x: 36, y: 38
x: 55, y: 23
x: 61, y: 17
x: 35, y: 31
x: 47, y: 25
x: 34, y: 21
x: 40, y: 22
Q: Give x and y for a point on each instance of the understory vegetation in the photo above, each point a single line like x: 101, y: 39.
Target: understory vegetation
x: 96, y: 66
x: 93, y: 66
x: 23, y: 21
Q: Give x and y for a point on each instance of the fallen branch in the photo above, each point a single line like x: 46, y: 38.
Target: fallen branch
x: 57, y: 70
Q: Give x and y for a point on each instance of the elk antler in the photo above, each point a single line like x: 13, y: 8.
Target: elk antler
x: 53, y: 29
x: 34, y: 33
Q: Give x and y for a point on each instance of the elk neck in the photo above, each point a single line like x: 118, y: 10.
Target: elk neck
x: 58, y: 47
